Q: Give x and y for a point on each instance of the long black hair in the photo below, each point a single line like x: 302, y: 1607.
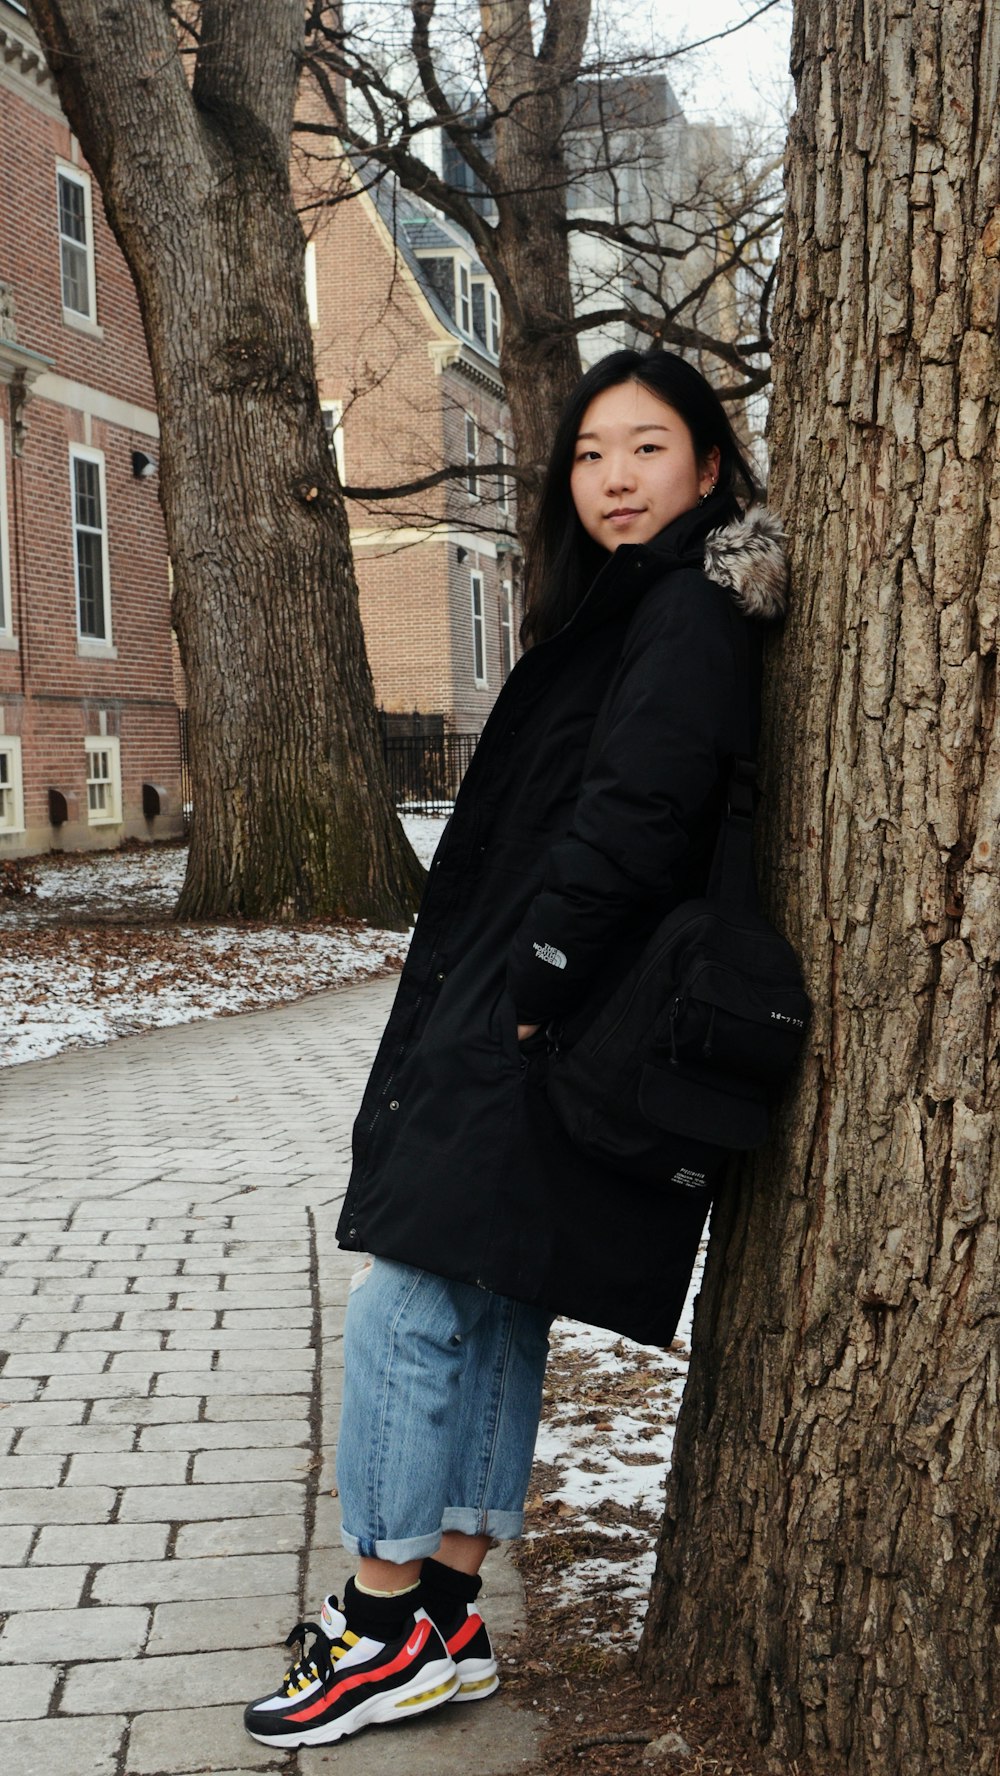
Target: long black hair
x: 562, y: 559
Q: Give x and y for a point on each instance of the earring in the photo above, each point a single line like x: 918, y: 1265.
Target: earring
x: 707, y: 493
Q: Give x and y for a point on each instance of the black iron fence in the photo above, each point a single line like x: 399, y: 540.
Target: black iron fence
x: 425, y: 770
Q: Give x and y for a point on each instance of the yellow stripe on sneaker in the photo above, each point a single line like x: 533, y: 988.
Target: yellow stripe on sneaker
x: 444, y: 1689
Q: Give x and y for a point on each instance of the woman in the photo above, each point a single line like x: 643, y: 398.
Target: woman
x: 590, y: 807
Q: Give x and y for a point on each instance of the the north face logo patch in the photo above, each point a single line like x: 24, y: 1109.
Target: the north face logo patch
x: 549, y: 953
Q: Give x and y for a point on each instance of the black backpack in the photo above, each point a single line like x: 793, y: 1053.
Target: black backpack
x: 702, y: 1033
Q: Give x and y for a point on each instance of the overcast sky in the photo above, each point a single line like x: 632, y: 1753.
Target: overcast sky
x: 747, y: 71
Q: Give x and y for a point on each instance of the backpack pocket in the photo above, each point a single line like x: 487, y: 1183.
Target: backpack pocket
x: 725, y: 1020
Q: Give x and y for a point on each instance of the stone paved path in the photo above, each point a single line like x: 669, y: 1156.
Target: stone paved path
x: 171, y: 1299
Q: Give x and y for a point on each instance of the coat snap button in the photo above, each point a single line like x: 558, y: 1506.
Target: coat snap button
x: 394, y: 1104
x: 439, y: 978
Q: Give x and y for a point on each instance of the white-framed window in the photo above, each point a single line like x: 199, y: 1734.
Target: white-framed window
x: 501, y: 483
x: 333, y: 425
x: 76, y: 244
x: 471, y: 456
x: 506, y: 626
x: 478, y: 630
x: 6, y: 599
x: 11, y: 785
x: 493, y: 306
x: 464, y: 298
x: 312, y: 284
x: 104, y: 780
x: 90, y: 544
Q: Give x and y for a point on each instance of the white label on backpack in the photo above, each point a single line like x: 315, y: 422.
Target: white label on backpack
x: 548, y: 953
x: 690, y: 1179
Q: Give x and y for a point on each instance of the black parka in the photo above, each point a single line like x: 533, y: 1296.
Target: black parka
x: 589, y: 809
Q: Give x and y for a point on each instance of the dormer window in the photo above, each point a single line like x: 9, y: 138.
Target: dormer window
x: 450, y: 277
x: 464, y: 298
x: 486, y: 314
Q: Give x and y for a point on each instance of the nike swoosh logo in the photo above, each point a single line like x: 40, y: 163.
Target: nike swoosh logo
x: 415, y: 1643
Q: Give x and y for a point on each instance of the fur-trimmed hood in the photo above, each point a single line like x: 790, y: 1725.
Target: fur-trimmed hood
x: 748, y: 556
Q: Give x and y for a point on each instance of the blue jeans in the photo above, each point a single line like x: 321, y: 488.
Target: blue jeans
x: 442, y: 1397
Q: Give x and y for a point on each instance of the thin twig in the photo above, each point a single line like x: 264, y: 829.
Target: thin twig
x: 583, y: 1745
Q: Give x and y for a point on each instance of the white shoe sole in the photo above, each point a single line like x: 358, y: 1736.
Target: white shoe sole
x: 477, y: 1679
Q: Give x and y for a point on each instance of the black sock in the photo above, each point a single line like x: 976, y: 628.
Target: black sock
x: 381, y: 1618
x: 445, y: 1591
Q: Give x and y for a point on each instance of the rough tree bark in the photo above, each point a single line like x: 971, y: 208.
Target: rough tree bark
x: 831, y: 1544
x: 539, y: 353
x: 292, y: 812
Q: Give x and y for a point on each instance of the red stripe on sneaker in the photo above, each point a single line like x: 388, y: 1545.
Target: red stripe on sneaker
x: 414, y: 1645
x: 463, y: 1635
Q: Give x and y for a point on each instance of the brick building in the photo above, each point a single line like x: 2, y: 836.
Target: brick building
x: 89, y: 742
x: 407, y: 332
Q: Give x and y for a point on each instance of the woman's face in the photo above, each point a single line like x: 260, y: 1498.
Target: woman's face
x: 635, y: 467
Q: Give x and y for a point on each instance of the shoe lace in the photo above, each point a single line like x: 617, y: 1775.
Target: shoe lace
x: 315, y: 1662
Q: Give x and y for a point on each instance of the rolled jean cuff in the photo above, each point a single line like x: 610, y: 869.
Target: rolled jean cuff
x: 405, y: 1548
x: 500, y: 1526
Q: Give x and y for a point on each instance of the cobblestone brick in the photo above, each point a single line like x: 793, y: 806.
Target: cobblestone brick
x: 30, y: 1470
x: 64, y: 1504
x: 90, y: 1746
x: 199, y: 1677
x: 25, y: 1694
x: 232, y: 1465
x: 75, y: 1634
x: 15, y: 1540
x: 200, y: 1627
x: 240, y: 1535
x: 192, y: 1504
x: 233, y: 1382
x: 231, y: 1434
x: 71, y: 1439
x: 228, y: 1575
x: 100, y: 1543
x: 138, y: 1469
x: 41, y: 1588
x: 140, y: 1410
x: 195, y: 1740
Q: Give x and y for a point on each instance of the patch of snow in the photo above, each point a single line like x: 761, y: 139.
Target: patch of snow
x: 610, y: 1462
x: 93, y: 954
x: 424, y: 833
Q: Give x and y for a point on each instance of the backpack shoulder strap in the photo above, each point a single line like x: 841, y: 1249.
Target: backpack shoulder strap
x: 732, y: 876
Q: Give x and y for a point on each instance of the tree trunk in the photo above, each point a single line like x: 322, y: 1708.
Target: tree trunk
x: 292, y: 811
x: 831, y: 1544
x: 528, y: 96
